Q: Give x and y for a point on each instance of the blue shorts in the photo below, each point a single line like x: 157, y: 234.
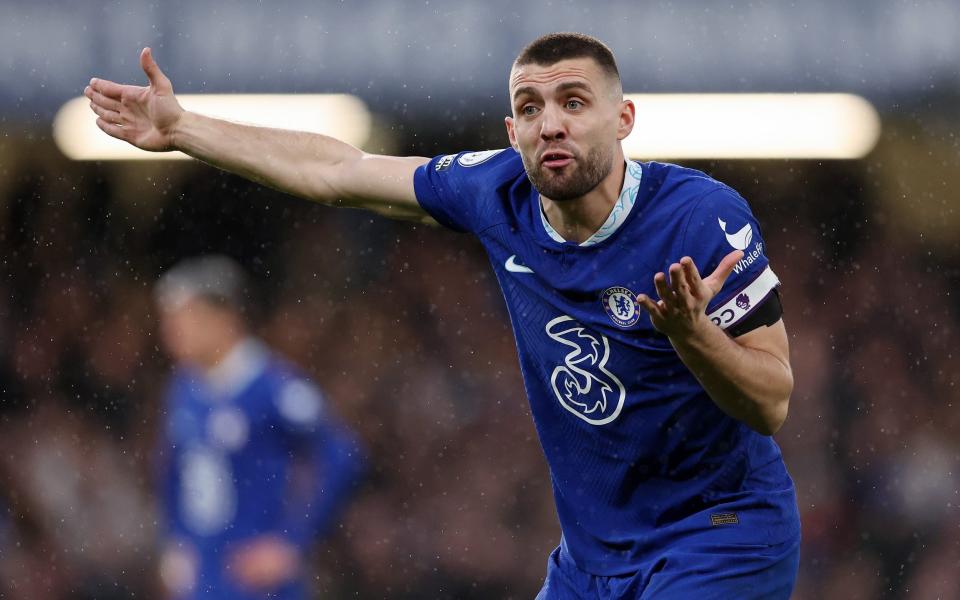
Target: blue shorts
x: 704, y: 573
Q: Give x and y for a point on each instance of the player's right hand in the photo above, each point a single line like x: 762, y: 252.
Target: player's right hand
x: 681, y: 310
x: 265, y: 562
x: 178, y: 569
x: 143, y: 116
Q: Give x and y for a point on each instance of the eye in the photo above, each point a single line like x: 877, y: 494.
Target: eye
x: 529, y: 110
x: 574, y: 104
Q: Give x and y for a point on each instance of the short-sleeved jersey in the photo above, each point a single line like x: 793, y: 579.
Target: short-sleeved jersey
x: 640, y: 457
x: 232, y: 454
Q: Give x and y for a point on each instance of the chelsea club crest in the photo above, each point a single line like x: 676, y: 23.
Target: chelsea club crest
x: 621, y: 306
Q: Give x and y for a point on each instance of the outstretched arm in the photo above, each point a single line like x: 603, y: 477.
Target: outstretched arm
x: 749, y: 377
x: 308, y: 165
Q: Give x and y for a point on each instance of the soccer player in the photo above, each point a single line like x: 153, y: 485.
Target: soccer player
x: 254, y: 467
x: 654, y: 390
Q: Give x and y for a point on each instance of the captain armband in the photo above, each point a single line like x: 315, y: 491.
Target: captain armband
x: 766, y: 314
x: 756, y: 305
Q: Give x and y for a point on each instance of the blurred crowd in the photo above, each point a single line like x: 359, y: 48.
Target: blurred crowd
x: 405, y: 329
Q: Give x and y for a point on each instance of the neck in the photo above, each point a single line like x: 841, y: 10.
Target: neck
x: 578, y: 219
x: 215, y: 357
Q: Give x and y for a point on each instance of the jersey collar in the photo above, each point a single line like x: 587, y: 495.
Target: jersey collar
x: 239, y: 368
x: 628, y: 197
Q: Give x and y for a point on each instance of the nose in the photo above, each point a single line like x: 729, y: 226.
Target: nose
x: 552, y: 126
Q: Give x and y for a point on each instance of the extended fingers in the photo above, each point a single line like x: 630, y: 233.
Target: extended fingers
x: 654, y: 308
x: 716, y: 279
x: 110, y: 129
x: 107, y: 88
x: 157, y: 79
x: 690, y: 271
x: 678, y: 279
x: 101, y: 100
x: 663, y: 288
x: 110, y: 116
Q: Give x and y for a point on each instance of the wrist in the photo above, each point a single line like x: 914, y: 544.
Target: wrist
x: 699, y: 329
x: 177, y: 131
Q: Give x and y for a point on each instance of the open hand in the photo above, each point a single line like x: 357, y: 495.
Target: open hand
x: 142, y: 116
x: 683, y: 300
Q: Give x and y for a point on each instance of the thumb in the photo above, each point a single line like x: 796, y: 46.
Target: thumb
x: 719, y: 276
x: 152, y: 69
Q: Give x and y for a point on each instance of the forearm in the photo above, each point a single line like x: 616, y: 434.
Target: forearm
x: 308, y: 165
x: 749, y: 384
x: 337, y: 464
x: 298, y: 163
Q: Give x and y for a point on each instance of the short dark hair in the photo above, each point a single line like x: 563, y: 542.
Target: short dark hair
x: 216, y: 278
x: 554, y: 47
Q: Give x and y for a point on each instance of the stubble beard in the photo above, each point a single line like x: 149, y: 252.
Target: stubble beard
x: 580, y: 180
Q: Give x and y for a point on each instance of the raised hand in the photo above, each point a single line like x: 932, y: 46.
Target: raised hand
x: 683, y: 300
x: 143, y: 116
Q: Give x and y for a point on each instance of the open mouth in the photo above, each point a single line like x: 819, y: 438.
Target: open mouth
x: 556, y: 159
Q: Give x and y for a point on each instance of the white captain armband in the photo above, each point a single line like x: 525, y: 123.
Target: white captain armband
x: 757, y: 305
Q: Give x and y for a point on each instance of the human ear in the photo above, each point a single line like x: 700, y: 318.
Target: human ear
x: 628, y: 116
x: 511, y: 132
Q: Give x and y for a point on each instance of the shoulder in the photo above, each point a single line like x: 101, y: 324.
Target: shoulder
x: 280, y: 373
x: 677, y: 199
x: 692, y: 196
x: 489, y: 166
x: 464, y: 191
x: 296, y: 398
x: 683, y: 185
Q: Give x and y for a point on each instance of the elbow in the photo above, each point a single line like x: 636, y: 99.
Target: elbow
x: 772, y: 419
x: 774, y: 414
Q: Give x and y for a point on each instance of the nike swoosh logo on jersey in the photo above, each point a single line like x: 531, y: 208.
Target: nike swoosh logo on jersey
x: 739, y: 240
x: 514, y: 267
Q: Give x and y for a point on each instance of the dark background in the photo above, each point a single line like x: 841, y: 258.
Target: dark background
x: 404, y: 325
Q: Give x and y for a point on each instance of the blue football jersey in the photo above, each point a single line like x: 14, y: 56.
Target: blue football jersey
x: 233, y: 453
x: 640, y: 457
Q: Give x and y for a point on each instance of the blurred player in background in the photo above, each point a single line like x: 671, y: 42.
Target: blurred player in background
x: 656, y: 429
x: 254, y: 466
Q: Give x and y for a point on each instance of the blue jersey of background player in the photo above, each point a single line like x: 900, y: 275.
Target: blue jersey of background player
x: 253, y: 465
x: 653, y: 388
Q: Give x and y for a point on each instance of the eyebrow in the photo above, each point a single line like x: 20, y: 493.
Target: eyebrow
x: 570, y: 85
x: 563, y: 87
x: 525, y: 90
